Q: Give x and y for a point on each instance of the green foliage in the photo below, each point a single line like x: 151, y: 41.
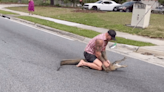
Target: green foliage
x: 75, y: 30
x: 66, y: 1
x: 109, y: 20
x: 90, y: 1
x: 120, y: 1
x: 37, y: 2
x: 12, y: 1
x: 6, y: 12
x: 161, y: 2
x: 82, y: 32
x: 58, y: 5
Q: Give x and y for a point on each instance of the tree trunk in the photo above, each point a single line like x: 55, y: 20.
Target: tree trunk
x: 19, y: 1
x: 52, y: 2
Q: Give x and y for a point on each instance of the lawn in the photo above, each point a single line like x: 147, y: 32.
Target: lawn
x: 78, y: 31
x: 109, y: 20
x: 5, y: 12
x: 82, y: 32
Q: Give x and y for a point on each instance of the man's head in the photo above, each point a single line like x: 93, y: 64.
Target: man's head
x: 111, y: 35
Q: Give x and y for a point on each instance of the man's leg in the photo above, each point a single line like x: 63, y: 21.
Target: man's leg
x: 95, y: 65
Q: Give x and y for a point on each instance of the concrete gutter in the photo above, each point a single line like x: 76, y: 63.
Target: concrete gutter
x: 137, y: 49
x: 154, y: 50
x: 147, y: 54
x: 71, y: 35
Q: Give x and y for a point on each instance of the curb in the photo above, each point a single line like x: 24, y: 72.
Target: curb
x: 129, y: 47
x: 81, y: 38
x: 150, y: 51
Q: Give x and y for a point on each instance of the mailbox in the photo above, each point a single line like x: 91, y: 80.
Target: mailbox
x: 141, y: 15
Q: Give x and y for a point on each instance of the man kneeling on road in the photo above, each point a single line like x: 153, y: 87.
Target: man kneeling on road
x: 95, y: 51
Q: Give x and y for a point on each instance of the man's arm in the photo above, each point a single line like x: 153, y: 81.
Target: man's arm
x: 98, y: 48
x: 104, y: 55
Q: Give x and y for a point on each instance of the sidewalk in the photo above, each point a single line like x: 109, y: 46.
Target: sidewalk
x: 156, y: 50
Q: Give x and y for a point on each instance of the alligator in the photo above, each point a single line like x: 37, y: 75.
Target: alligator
x: 112, y: 67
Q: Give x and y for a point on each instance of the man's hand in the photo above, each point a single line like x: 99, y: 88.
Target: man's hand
x: 104, y: 55
x: 106, y: 63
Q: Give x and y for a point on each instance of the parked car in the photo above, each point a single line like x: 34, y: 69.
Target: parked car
x: 126, y: 7
x: 158, y: 10
x: 106, y: 5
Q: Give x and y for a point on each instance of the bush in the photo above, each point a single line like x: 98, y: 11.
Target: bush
x: 37, y: 2
x: 10, y: 1
x: 58, y: 5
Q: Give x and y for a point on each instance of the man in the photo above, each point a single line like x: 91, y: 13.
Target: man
x: 95, y: 51
x: 81, y: 2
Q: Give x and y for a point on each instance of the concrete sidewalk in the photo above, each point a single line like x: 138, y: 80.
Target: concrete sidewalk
x: 155, y: 50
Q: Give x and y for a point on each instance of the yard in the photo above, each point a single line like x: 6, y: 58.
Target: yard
x: 109, y: 20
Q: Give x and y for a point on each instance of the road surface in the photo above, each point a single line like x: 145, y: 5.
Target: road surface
x: 30, y: 57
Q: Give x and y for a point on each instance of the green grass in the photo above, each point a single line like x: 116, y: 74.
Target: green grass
x: 5, y: 12
x: 75, y: 30
x: 132, y: 42
x: 81, y: 32
x: 109, y: 20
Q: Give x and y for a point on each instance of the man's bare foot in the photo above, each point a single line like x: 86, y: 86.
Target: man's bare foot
x: 81, y: 63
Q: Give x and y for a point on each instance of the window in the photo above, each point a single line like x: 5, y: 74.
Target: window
x: 98, y: 2
x: 106, y: 2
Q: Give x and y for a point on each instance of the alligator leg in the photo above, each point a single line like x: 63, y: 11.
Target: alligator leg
x: 119, y: 61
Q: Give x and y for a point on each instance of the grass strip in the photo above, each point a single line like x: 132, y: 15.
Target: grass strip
x: 6, y: 12
x: 81, y: 32
x: 108, y: 20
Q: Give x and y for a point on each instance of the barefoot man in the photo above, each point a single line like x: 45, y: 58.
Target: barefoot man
x: 95, y: 51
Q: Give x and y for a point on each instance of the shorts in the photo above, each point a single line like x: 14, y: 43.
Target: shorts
x: 89, y: 57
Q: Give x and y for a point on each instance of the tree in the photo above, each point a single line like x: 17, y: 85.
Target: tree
x: 161, y: 2
x: 120, y: 1
x: 52, y: 2
x: 19, y: 1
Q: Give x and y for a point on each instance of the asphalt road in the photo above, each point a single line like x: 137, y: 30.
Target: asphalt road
x: 29, y: 59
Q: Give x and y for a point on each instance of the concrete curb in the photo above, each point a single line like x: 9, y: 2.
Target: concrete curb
x: 81, y: 38
x: 24, y: 21
x: 150, y: 51
x: 129, y: 47
x: 50, y: 29
x: 61, y: 32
